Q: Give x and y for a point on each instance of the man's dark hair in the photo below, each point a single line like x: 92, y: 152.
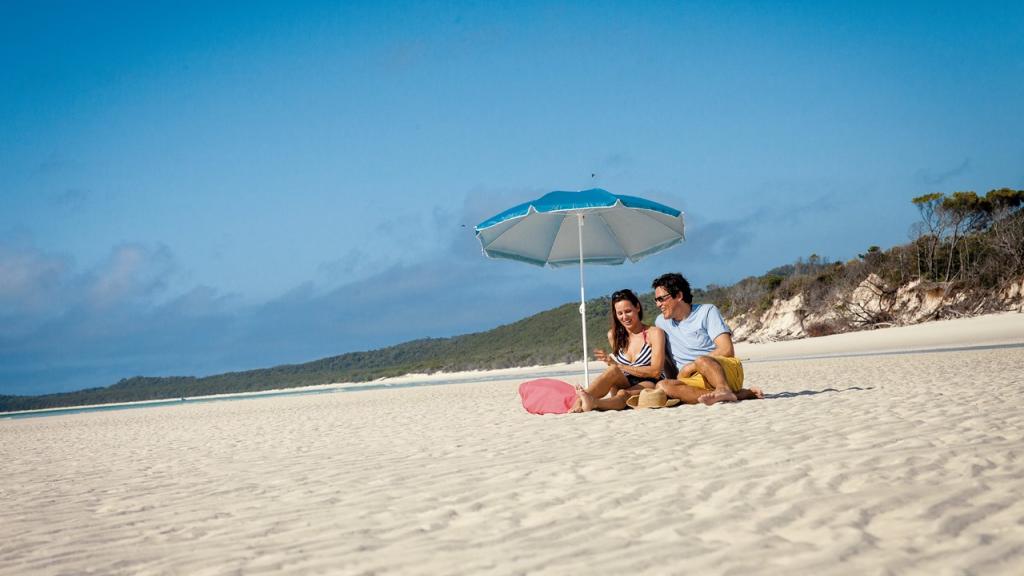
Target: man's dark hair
x: 674, y: 284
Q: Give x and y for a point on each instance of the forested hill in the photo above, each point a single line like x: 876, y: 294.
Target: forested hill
x: 549, y: 337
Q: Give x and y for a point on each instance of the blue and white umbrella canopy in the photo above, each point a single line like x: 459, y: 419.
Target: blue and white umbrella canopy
x: 615, y: 228
x: 592, y: 226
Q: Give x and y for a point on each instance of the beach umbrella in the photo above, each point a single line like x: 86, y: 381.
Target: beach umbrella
x: 587, y: 227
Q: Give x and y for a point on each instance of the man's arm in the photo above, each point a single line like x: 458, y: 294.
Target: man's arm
x: 723, y: 346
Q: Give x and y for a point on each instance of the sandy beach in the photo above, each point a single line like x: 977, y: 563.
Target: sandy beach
x: 872, y: 463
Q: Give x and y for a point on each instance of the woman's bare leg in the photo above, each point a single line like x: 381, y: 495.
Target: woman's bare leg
x: 637, y: 388
x: 610, y: 378
x: 616, y: 402
x: 612, y: 381
x: 585, y: 402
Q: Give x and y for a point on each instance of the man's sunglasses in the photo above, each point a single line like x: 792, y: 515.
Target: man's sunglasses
x: 660, y: 299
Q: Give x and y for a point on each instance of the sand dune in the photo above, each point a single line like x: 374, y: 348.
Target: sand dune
x: 988, y: 330
x: 854, y: 465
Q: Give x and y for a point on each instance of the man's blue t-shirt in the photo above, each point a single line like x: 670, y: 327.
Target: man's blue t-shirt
x: 695, y: 336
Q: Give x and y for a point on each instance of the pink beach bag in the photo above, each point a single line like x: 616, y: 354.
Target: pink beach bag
x: 547, y: 396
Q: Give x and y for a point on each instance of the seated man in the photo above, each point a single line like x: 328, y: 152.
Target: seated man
x: 700, y: 345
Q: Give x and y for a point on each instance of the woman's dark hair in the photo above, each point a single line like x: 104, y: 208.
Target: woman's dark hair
x: 674, y: 284
x: 618, y: 330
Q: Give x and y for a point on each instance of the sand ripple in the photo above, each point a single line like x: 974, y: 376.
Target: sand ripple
x: 870, y: 465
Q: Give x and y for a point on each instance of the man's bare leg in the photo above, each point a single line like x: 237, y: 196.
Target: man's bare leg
x: 682, y: 392
x: 751, y: 394
x: 741, y: 394
x: 714, y: 376
x: 692, y: 395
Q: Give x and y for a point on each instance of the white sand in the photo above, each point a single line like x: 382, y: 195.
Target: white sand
x: 858, y: 465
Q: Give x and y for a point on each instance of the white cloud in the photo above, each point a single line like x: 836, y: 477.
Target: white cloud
x: 131, y: 274
x: 29, y: 279
x: 119, y: 318
x: 39, y: 288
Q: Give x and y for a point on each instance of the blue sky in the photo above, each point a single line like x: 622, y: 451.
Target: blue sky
x: 188, y: 189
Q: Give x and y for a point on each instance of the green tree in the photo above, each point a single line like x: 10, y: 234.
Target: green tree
x: 929, y: 230
x: 962, y: 213
x: 1007, y: 228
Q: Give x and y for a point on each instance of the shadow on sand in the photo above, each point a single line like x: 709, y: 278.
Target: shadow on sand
x: 782, y: 395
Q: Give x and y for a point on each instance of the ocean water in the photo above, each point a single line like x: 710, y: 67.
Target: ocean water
x: 415, y: 384
x: 253, y: 396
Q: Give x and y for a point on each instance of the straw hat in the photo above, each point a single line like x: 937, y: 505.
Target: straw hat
x: 651, y: 398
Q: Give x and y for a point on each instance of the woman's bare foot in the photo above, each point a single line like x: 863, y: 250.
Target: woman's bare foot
x: 716, y: 397
x: 758, y: 393
x: 585, y: 398
x: 577, y: 407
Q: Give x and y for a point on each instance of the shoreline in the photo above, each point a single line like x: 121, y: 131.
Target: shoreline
x: 989, y: 331
x: 410, y: 381
x: 404, y: 381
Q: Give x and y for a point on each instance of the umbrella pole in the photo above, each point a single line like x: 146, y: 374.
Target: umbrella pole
x: 583, y: 304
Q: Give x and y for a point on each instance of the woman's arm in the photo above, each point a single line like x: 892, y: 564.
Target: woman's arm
x: 608, y: 359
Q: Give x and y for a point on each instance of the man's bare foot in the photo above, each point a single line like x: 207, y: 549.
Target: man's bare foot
x: 716, y: 397
x: 586, y: 399
x: 758, y: 393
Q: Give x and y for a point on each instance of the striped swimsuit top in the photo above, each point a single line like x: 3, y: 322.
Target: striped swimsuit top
x: 642, y: 359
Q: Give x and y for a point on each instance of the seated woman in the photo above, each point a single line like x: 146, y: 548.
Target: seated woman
x: 636, y: 363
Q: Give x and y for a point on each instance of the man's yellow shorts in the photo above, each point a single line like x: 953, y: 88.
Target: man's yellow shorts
x: 733, y: 374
